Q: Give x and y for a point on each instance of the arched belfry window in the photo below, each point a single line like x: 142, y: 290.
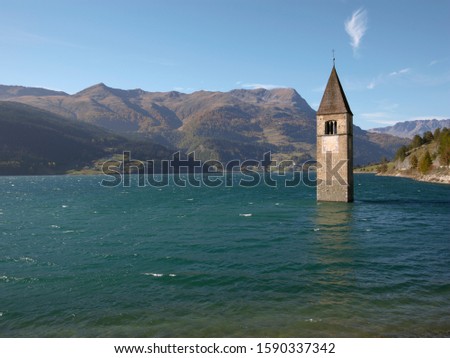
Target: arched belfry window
x: 330, y: 127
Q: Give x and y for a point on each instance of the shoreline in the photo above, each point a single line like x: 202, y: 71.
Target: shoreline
x: 435, y: 178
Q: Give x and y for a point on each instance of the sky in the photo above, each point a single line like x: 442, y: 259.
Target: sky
x: 392, y: 56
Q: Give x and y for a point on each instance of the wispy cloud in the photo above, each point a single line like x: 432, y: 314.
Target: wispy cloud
x: 386, y: 105
x: 437, y: 61
x: 400, y: 72
x: 372, y: 115
x: 385, y: 114
x: 36, y: 39
x: 372, y: 84
x: 184, y: 89
x: 356, y: 27
x: 383, y: 78
x: 410, y: 76
x: 377, y: 81
x: 383, y: 118
x: 383, y: 121
x: 432, y: 80
x: 319, y: 89
x: 379, y: 117
x: 260, y: 85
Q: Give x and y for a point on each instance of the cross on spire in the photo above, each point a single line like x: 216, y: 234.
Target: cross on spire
x: 334, y: 59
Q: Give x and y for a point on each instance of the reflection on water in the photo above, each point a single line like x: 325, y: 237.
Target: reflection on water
x: 333, y: 227
x: 334, y: 250
x: 334, y: 217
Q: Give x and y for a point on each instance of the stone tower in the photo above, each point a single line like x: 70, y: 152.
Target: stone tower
x: 334, y: 144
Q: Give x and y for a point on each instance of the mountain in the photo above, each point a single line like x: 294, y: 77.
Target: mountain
x: 34, y: 141
x: 239, y: 124
x: 10, y: 92
x: 409, y: 129
x: 371, y: 147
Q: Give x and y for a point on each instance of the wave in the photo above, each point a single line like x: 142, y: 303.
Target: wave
x: 158, y: 274
x: 17, y: 279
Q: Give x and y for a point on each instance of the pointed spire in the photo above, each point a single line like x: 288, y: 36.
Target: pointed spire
x: 334, y: 100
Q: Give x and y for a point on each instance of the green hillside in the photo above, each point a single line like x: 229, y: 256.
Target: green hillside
x: 426, y: 157
x: 34, y: 141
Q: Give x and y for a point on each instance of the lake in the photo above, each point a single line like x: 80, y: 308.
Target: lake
x: 81, y: 260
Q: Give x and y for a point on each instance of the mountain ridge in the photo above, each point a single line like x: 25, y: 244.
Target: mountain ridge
x: 216, y: 125
x: 408, y: 129
x: 7, y: 92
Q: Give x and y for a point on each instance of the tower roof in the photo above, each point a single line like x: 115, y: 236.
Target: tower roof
x: 334, y: 100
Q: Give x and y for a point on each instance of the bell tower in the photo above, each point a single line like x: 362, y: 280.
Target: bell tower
x: 334, y: 144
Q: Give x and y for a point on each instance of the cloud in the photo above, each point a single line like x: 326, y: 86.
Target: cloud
x: 319, y: 89
x: 29, y: 38
x: 383, y: 121
x: 356, y: 27
x: 384, y: 118
x: 400, y: 72
x: 438, y: 61
x: 386, y: 105
x: 376, y: 81
x: 431, y: 80
x: 371, y: 115
x: 260, y: 85
x: 385, y: 112
x: 372, y: 85
x: 183, y: 89
x: 379, y: 117
x: 383, y: 78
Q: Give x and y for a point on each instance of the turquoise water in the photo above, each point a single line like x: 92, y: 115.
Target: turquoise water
x: 77, y: 259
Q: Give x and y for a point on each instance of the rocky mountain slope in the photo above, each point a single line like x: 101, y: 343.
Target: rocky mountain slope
x: 409, y: 129
x: 239, y: 124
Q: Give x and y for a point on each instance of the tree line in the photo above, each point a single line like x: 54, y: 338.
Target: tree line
x: 424, y: 163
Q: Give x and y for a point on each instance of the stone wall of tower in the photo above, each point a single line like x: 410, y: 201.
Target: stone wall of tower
x: 335, y: 159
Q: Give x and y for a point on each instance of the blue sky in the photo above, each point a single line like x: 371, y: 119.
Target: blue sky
x: 392, y: 56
